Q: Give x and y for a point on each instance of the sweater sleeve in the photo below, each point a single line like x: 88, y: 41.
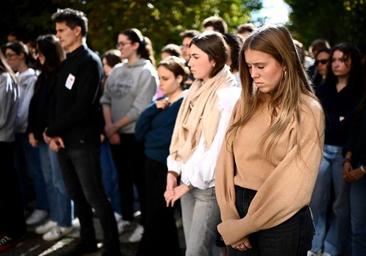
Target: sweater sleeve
x: 224, y: 178
x: 147, y: 87
x: 144, y: 121
x: 286, y: 190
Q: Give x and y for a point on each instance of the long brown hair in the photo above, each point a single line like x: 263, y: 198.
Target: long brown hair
x: 285, y: 99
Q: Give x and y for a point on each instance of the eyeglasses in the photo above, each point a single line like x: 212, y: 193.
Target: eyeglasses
x: 122, y: 44
x: 9, y: 55
x: 323, y: 62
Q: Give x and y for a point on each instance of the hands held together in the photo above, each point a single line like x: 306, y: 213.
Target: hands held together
x: 173, y: 192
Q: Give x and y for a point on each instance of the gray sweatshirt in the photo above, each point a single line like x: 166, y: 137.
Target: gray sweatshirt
x: 8, y: 107
x: 128, y: 91
x: 26, y: 79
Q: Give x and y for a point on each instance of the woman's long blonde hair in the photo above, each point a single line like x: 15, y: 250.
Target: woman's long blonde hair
x: 285, y: 99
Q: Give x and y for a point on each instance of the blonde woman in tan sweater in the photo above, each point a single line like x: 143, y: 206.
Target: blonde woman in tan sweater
x: 267, y: 168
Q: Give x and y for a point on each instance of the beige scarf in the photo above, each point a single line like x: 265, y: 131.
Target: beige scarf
x: 199, y: 114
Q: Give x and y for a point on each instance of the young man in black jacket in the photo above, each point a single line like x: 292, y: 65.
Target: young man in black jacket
x: 74, y: 132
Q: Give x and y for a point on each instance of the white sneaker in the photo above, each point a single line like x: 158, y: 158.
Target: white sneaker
x: 36, y: 216
x: 310, y: 253
x: 56, y: 233
x: 123, y: 225
x: 117, y: 216
x: 44, y: 228
x: 137, y: 234
x: 76, y: 223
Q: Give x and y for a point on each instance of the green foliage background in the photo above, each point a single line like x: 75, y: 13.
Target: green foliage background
x: 334, y: 20
x: 160, y: 20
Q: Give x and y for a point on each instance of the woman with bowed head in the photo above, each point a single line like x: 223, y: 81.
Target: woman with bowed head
x: 268, y: 164
x: 197, y: 137
x: 50, y: 58
x: 155, y: 127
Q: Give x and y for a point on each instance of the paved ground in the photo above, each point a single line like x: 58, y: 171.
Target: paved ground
x: 33, y: 245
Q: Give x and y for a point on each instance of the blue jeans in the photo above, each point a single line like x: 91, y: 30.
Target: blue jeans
x: 60, y: 203
x: 200, y: 215
x: 290, y: 238
x: 110, y: 177
x: 331, y: 228
x: 358, y: 217
x: 80, y: 168
x: 28, y: 158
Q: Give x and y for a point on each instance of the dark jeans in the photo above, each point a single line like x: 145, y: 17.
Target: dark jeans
x: 81, y: 171
x: 290, y: 238
x: 160, y: 235
x: 11, y: 210
x: 129, y: 159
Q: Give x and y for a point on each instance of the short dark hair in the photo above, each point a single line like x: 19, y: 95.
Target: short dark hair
x: 172, y: 49
x: 189, y: 33
x: 72, y: 18
x: 214, y: 45
x: 247, y: 27
x: 217, y: 23
x: 112, y: 57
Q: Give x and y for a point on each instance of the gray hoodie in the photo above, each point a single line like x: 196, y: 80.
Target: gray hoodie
x: 27, y: 80
x: 8, y: 107
x: 128, y: 91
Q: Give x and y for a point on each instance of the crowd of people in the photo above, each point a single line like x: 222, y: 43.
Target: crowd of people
x: 256, y: 144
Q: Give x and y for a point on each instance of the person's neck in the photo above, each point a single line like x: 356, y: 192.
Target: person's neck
x: 133, y: 59
x: 342, y: 82
x: 174, y: 96
x: 22, y: 67
x: 73, y: 47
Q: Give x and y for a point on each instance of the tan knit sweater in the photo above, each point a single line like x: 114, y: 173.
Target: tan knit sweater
x: 284, y: 185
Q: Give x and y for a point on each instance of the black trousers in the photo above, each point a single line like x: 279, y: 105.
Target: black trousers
x: 80, y: 168
x: 161, y: 235
x: 290, y: 238
x: 11, y: 210
x: 129, y: 160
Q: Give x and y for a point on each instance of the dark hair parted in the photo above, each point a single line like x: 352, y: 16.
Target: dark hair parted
x: 19, y: 48
x: 72, y: 18
x: 177, y: 66
x: 217, y: 23
x: 214, y: 45
x: 135, y: 36
x: 49, y: 46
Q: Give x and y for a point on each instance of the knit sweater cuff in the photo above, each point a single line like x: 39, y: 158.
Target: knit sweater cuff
x: 232, y: 234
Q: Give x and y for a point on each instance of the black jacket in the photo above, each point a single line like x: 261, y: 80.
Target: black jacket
x: 39, y: 107
x: 76, y: 114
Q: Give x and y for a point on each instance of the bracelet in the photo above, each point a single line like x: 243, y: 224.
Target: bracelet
x: 363, y: 169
